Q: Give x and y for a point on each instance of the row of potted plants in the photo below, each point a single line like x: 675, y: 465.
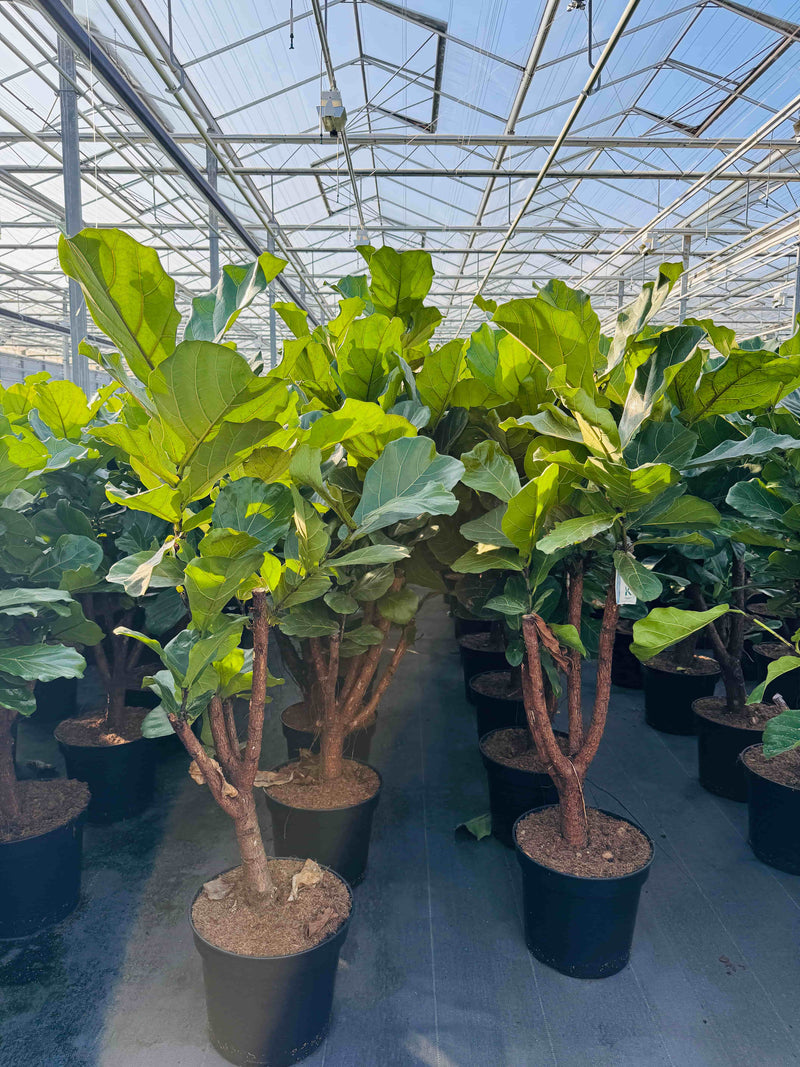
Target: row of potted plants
x: 538, y: 473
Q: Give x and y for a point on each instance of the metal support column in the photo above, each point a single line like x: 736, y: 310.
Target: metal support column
x: 684, y: 300
x: 620, y: 293
x: 73, y: 215
x: 213, y: 221
x: 273, y: 318
x: 796, y: 301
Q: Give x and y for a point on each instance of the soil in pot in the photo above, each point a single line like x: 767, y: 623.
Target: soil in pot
x: 721, y: 738
x: 480, y: 652
x: 40, y: 860
x: 580, y: 907
x: 498, y: 701
x: 670, y: 690
x: 773, y: 800
x: 461, y: 627
x: 516, y: 776
x: 301, y: 733
x: 626, y: 670
x: 269, y: 969
x: 788, y: 685
x: 119, y: 768
x: 330, y: 822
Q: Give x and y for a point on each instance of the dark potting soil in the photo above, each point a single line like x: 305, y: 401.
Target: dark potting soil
x: 700, y: 665
x: 615, y: 847
x: 514, y: 748
x: 496, y: 684
x: 89, y: 731
x: 754, y: 716
x: 356, y: 784
x: 46, y: 806
x: 298, y: 717
x: 484, y: 642
x: 279, y: 928
x: 783, y: 769
x: 772, y: 650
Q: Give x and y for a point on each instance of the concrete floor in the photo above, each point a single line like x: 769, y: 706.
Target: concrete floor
x: 435, y: 972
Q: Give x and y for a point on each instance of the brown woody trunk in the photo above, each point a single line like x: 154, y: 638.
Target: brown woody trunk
x: 684, y: 652
x: 257, y: 881
x: 572, y: 812
x: 115, y: 708
x: 9, y: 800
x: 331, y: 747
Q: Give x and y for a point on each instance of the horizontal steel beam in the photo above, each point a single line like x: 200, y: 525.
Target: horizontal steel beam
x: 41, y: 324
x: 346, y: 228
x: 417, y: 140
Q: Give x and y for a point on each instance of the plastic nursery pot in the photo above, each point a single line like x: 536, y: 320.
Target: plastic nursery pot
x: 494, y: 711
x: 626, y: 670
x: 478, y: 654
x: 269, y: 1010
x: 719, y: 746
x: 335, y: 837
x: 670, y: 694
x: 356, y: 746
x: 461, y: 627
x: 121, y: 778
x: 788, y: 685
x: 582, y: 927
x: 774, y: 819
x: 56, y: 700
x: 40, y: 879
x: 513, y: 791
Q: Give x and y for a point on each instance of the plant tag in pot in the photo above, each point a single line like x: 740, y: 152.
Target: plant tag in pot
x: 624, y: 593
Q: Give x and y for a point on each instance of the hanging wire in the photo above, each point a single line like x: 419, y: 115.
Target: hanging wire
x: 291, y: 25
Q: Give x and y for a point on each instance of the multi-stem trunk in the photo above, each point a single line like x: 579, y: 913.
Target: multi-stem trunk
x: 9, y: 800
x: 728, y: 649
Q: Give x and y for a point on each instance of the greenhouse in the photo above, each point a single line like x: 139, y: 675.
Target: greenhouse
x: 399, y: 533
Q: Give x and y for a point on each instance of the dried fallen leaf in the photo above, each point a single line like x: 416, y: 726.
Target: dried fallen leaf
x: 309, y: 874
x: 218, y: 888
x: 320, y: 922
x: 266, y: 778
x: 197, y: 775
x: 551, y: 642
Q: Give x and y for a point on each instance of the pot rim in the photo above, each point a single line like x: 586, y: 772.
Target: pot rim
x: 724, y: 725
x: 344, y: 807
x: 497, y: 730
x: 299, y: 730
x: 482, y: 674
x: 763, y: 777
x: 585, y: 877
x: 286, y: 956
x: 465, y: 637
x: 77, y: 718
x: 81, y: 816
x: 648, y: 665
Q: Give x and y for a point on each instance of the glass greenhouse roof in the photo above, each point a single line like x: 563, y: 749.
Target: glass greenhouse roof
x: 583, y: 139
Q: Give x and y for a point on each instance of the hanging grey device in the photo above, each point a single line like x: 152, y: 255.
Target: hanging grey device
x: 332, y: 113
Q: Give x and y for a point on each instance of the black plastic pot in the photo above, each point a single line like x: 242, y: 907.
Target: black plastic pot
x: 582, y: 927
x: 788, y: 685
x: 56, y: 700
x: 40, y: 879
x: 461, y: 627
x: 269, y: 1010
x: 337, y: 837
x: 121, y: 778
x: 668, y: 698
x: 477, y: 661
x: 626, y: 670
x: 512, y: 792
x: 495, y: 713
x: 718, y: 749
x: 774, y: 820
x: 356, y: 746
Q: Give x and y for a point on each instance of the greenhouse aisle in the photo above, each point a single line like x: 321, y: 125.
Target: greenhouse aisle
x: 435, y: 971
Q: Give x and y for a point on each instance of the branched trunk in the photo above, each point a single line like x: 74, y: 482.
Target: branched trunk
x: 257, y: 882
x: 574, y: 611
x: 9, y: 800
x: 684, y: 652
x: 729, y: 655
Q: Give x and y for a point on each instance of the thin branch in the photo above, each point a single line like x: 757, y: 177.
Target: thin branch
x: 574, y: 611
x: 605, y: 651
x: 258, y: 691
x: 536, y: 704
x: 372, y: 705
x: 211, y: 771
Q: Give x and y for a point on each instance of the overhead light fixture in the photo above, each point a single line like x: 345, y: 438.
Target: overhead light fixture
x: 796, y: 128
x: 332, y: 113
x: 361, y: 237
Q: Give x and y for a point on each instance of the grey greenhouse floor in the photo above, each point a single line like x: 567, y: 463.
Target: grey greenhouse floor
x: 435, y: 971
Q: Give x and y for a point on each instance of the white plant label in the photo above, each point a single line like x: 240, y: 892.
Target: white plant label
x: 625, y: 594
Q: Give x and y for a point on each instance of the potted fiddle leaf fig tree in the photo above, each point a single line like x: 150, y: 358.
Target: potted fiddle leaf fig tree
x: 270, y: 930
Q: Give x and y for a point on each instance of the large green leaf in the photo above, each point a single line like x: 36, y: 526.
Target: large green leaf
x: 482, y: 558
x: 488, y: 529
x: 488, y: 469
x: 776, y: 669
x: 575, y: 531
x: 527, y: 510
x: 400, y: 281
x: 756, y: 501
x: 630, y: 489
x: 364, y: 360
x: 371, y: 555
x: 223, y: 454
x: 684, y: 512
x: 148, y: 569
x: 38, y: 599
x: 782, y: 733
x: 364, y: 430
x: 665, y: 627
x: 214, y: 313
x: 263, y: 511
x: 127, y: 291
x: 661, y: 442
x: 62, y: 406
x: 409, y: 479
x: 555, y: 336
x: 16, y: 696
x: 400, y: 606
x: 671, y: 347
x: 438, y: 377
x: 643, y: 583
x: 310, y: 620
x: 760, y: 442
x: 635, y: 316
x: 746, y: 380
x: 211, y: 581
x: 41, y: 663
x: 70, y: 553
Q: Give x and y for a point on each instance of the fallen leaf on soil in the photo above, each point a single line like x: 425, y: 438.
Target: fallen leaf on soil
x: 265, y: 778
x: 320, y: 922
x: 218, y: 888
x: 309, y: 874
x: 197, y: 775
